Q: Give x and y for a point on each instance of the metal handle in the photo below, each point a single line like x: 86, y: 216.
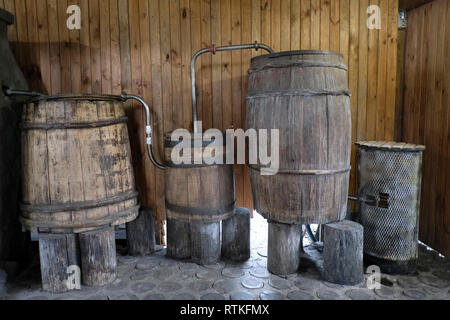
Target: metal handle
x: 213, y: 49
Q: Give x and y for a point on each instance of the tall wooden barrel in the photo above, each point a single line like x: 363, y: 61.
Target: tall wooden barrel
x: 198, y: 192
x: 305, y: 95
x: 77, y: 170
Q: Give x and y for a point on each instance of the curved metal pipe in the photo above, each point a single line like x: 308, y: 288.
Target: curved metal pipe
x: 148, y: 128
x: 213, y: 49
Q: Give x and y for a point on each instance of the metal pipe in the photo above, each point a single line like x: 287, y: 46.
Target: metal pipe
x: 213, y: 49
x: 148, y: 128
x: 11, y: 92
x: 352, y: 198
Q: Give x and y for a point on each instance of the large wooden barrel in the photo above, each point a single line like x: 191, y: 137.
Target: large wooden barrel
x: 305, y: 95
x: 198, y: 192
x: 77, y: 170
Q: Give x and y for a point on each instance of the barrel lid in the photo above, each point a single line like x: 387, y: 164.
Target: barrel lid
x: 88, y: 97
x: 6, y: 16
x: 390, y: 146
x: 298, y: 53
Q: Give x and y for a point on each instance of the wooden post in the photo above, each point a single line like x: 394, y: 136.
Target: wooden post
x: 205, y: 242
x: 236, y: 236
x: 57, y: 253
x: 343, y: 253
x: 141, y: 234
x: 178, y: 239
x: 284, y: 248
x: 98, y: 257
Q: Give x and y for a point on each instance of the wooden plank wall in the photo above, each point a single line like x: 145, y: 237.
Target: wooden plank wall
x: 427, y: 114
x: 145, y: 46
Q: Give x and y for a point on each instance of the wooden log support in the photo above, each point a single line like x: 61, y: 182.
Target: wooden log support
x: 57, y: 253
x: 236, y: 236
x: 178, y: 239
x: 98, y: 257
x: 284, y: 248
x: 343, y: 253
x: 205, y: 242
x: 141, y: 234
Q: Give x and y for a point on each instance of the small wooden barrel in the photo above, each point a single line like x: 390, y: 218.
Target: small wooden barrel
x: 197, y: 195
x: 77, y: 171
x: 198, y: 192
x: 305, y: 95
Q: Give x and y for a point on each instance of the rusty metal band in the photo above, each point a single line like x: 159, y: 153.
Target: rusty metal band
x: 305, y: 172
x: 82, y: 205
x: 85, y: 97
x: 221, y: 210
x: 299, y: 93
x: 119, y: 218
x: 72, y: 125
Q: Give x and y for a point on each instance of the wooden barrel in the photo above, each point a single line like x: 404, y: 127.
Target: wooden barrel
x: 305, y: 95
x: 77, y: 170
x: 198, y: 192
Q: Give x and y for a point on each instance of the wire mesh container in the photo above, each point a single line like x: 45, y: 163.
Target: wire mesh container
x: 389, y: 187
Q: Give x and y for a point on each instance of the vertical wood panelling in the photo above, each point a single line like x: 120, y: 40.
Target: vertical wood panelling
x: 145, y: 47
x: 426, y: 114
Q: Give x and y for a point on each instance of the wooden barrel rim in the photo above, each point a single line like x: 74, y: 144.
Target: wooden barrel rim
x: 302, y: 93
x: 78, y: 206
x: 72, y: 125
x: 306, y: 172
x: 191, y: 166
x: 303, y: 64
x: 81, y: 97
x: 299, y: 53
x: 122, y: 217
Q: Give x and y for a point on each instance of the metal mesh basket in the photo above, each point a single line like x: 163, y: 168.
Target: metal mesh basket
x: 389, y: 183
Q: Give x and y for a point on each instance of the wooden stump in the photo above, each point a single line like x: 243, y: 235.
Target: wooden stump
x: 98, y: 257
x: 236, y: 236
x: 57, y: 253
x: 343, y: 253
x: 284, y: 248
x: 178, y: 239
x: 141, y: 234
x: 205, y: 242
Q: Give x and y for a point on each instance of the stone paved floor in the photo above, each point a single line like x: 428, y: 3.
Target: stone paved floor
x: 157, y: 277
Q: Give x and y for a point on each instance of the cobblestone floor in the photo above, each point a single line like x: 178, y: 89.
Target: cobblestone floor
x: 157, y: 277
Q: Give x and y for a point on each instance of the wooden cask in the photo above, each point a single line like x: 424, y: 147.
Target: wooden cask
x: 77, y: 170
x: 198, y: 192
x: 305, y: 95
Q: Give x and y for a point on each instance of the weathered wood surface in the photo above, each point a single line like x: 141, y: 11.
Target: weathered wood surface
x: 426, y: 115
x: 284, y: 248
x: 152, y: 42
x: 305, y: 95
x: 98, y: 257
x: 141, y: 234
x: 203, y: 193
x: 178, y: 239
x: 343, y: 253
x: 57, y: 253
x: 77, y: 171
x: 205, y: 242
x: 236, y: 236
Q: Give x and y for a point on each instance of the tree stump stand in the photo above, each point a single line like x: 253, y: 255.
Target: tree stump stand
x: 178, y: 239
x: 236, y: 236
x: 98, y: 257
x: 205, y: 242
x: 343, y: 253
x: 284, y: 248
x: 141, y: 234
x: 58, y: 252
